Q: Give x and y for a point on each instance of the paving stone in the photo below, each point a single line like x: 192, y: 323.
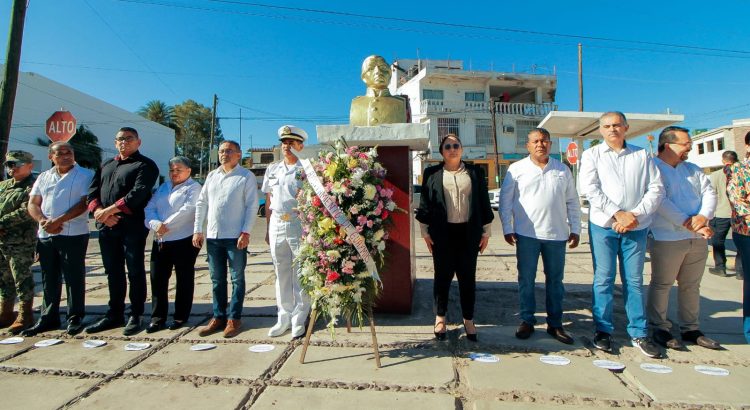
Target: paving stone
x: 157, y: 394
x: 263, y: 292
x: 685, y: 385
x: 405, y: 367
x: 230, y: 360
x: 491, y: 404
x: 71, y: 355
x: 275, y: 397
x: 55, y: 390
x: 524, y: 372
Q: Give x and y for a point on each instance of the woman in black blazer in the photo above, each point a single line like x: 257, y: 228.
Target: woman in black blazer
x: 455, y: 216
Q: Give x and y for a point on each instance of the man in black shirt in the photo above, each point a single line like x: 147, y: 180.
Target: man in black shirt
x: 119, y: 192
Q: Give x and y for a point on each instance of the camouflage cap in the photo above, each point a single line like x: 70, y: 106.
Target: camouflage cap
x: 19, y: 156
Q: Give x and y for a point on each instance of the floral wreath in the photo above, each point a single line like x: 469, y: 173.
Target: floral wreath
x: 344, y: 206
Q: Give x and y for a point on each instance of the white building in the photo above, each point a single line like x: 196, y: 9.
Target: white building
x: 710, y: 145
x: 37, y: 97
x: 455, y: 100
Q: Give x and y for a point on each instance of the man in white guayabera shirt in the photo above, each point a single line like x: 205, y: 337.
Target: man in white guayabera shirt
x: 228, y: 201
x: 540, y: 212
x: 624, y: 189
x: 679, y: 249
x: 58, y: 203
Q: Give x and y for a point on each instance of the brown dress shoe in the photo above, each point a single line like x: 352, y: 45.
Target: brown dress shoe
x: 233, y: 328
x: 524, y: 330
x: 214, y: 325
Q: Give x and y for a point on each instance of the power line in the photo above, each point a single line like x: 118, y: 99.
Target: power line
x: 131, y: 49
x: 704, y: 51
x: 472, y: 26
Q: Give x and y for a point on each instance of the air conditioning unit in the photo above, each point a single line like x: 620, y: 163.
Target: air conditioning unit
x: 508, y: 129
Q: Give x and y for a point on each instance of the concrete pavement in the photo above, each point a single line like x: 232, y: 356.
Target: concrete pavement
x: 416, y: 372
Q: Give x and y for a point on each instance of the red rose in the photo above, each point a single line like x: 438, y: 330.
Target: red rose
x: 332, y: 276
x: 385, y: 214
x: 316, y: 201
x: 338, y: 241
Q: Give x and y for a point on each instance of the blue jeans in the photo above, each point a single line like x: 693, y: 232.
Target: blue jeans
x: 221, y: 252
x: 607, y: 247
x: 743, y: 248
x: 553, y: 259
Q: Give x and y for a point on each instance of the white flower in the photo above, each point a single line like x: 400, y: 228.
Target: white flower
x: 378, y: 235
x: 333, y: 254
x: 370, y: 192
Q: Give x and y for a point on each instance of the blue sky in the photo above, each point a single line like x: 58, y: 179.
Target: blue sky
x: 292, y: 66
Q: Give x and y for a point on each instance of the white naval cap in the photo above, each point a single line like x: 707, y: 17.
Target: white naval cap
x: 292, y: 132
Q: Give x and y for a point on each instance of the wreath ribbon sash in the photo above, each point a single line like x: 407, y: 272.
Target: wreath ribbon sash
x: 352, y: 236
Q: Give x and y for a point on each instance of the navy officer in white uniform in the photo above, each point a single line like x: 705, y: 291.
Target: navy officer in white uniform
x: 281, y: 186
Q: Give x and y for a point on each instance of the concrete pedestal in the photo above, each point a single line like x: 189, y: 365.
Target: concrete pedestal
x: 395, y: 143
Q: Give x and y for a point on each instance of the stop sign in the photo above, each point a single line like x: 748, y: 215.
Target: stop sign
x: 61, y: 126
x: 572, y: 152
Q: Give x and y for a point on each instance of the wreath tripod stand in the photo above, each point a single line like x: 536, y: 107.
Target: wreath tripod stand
x: 311, y: 325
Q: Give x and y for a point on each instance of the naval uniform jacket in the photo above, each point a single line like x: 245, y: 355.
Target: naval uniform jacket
x: 432, y: 206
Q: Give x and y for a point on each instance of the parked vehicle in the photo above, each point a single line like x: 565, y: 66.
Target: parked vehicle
x: 417, y: 189
x: 495, y: 198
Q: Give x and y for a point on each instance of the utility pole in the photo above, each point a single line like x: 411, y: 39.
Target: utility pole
x: 10, y: 77
x: 493, y: 101
x: 580, y: 77
x: 213, y: 131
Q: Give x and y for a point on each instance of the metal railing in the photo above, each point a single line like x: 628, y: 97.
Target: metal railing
x: 527, y: 109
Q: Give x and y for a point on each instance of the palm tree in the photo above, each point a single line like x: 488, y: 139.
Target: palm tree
x: 157, y: 111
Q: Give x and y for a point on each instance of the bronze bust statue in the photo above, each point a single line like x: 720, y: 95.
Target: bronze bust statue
x: 377, y: 106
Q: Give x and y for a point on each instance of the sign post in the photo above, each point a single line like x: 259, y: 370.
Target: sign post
x: 61, y: 126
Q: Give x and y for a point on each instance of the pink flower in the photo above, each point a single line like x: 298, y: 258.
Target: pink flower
x: 361, y: 220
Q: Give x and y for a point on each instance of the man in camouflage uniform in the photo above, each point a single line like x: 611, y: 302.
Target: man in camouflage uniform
x: 17, y: 242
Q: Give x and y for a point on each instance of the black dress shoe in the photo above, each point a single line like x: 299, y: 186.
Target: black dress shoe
x: 105, y: 323
x: 75, y: 326
x: 524, y: 330
x: 135, y: 323
x: 560, y: 334
x: 441, y: 335
x: 718, y: 271
x: 155, y: 326
x: 603, y: 341
x: 40, y: 327
x: 697, y: 337
x: 175, y: 324
x: 665, y: 338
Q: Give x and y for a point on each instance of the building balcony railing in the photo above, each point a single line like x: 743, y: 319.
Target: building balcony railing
x: 526, y: 109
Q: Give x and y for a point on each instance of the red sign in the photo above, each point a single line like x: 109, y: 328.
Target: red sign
x: 572, y: 152
x: 61, y: 126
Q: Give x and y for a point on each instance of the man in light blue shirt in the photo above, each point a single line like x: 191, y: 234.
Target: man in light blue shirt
x: 679, y: 249
x: 227, y: 204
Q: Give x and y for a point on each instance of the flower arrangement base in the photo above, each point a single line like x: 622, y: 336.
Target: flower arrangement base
x: 311, y: 325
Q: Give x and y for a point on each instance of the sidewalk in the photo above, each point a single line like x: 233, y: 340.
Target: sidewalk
x: 417, y: 372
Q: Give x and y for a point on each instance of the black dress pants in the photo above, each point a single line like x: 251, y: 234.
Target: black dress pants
x: 63, y: 257
x: 456, y: 254
x: 180, y: 255
x: 124, y: 246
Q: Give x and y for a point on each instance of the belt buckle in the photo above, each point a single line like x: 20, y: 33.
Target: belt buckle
x: 285, y: 217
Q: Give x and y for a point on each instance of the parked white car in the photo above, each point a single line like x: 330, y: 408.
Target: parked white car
x: 495, y: 198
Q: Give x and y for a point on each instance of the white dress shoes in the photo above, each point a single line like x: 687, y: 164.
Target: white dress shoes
x: 279, y: 329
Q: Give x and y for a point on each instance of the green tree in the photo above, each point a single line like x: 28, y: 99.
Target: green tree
x: 192, y: 122
x: 594, y: 143
x: 86, y: 147
x: 157, y: 111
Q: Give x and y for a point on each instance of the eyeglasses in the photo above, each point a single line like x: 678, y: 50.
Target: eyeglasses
x: 178, y: 170
x: 453, y: 146
x: 14, y: 164
x: 126, y: 139
x: 227, y: 151
x: 684, y: 144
